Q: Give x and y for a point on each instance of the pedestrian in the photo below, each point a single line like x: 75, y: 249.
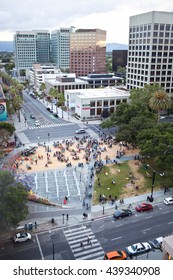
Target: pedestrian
x: 165, y: 189
x: 89, y: 241
x: 122, y: 200
x: 81, y: 244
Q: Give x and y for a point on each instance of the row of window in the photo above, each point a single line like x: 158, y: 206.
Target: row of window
x: 106, y: 103
x: 147, y: 27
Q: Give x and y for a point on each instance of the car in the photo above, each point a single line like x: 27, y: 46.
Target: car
x: 22, y: 237
x: 115, y: 255
x: 168, y: 200
x: 144, y: 207
x: 48, y: 109
x: 157, y: 242
x: 122, y: 213
x: 32, y: 116
x: 37, y: 123
x: 80, y: 131
x: 51, y: 111
x: 56, y: 115
x: 138, y: 248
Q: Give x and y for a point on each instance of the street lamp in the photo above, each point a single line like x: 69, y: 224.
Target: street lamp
x: 153, y: 180
x: 38, y: 139
x: 48, y: 135
x: 53, y: 251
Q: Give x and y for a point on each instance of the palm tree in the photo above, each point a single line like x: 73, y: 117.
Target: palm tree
x: 53, y: 92
x: 42, y: 88
x: 159, y: 101
x: 61, y: 100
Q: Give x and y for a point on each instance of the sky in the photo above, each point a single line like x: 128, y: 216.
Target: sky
x: 110, y: 15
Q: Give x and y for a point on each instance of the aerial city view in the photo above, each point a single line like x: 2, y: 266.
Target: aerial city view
x: 86, y: 131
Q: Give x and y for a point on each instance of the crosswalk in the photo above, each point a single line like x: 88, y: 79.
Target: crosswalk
x: 51, y: 125
x: 83, y: 243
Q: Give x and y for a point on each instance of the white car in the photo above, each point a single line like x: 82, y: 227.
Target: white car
x: 80, y: 131
x: 157, y: 242
x: 22, y: 237
x: 138, y: 248
x: 168, y: 200
x: 37, y: 123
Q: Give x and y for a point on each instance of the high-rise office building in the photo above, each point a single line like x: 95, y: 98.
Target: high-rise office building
x: 60, y: 47
x: 119, y: 58
x: 88, y: 51
x: 150, y: 55
x: 31, y: 46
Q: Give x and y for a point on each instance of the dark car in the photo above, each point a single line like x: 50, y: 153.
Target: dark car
x: 56, y: 115
x: 122, y: 213
x: 144, y: 207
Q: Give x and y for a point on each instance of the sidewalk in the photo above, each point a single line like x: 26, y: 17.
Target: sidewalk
x: 99, y: 211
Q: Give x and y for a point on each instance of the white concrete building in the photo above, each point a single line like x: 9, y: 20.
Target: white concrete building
x: 64, y: 81
x: 150, y: 54
x: 167, y: 247
x: 38, y: 73
x: 90, y: 103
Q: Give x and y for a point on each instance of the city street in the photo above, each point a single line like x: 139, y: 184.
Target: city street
x: 105, y: 234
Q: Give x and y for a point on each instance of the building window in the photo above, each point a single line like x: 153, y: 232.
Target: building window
x: 118, y: 101
x: 112, y: 102
x: 92, y: 103
x: 92, y: 112
x: 112, y: 110
x: 99, y: 111
x: 99, y: 103
x: 105, y: 103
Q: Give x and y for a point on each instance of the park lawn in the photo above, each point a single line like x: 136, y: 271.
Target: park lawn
x: 123, y: 187
x: 118, y: 173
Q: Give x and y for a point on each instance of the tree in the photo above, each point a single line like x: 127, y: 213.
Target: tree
x: 61, y: 100
x: 13, y: 199
x: 157, y: 143
x: 17, y: 104
x: 159, y: 101
x: 6, y: 131
x: 42, y: 88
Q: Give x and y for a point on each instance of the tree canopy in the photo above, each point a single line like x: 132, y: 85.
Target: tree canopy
x: 13, y: 199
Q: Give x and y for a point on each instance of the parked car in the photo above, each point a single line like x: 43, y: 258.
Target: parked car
x: 80, y: 131
x: 56, y: 115
x: 48, y: 108
x: 138, y: 248
x: 32, y: 116
x: 144, y: 207
x: 157, y: 242
x: 122, y: 213
x: 168, y: 200
x: 115, y: 255
x: 22, y: 237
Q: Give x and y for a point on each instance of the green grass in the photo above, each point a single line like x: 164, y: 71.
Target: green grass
x: 119, y: 190
x: 106, y: 186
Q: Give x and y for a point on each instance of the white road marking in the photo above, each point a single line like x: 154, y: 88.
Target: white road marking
x: 116, y: 238
x: 170, y: 223
x: 38, y: 242
x: 147, y: 229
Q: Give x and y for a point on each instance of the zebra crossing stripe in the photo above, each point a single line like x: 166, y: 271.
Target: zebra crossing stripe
x: 50, y: 125
x: 89, y: 250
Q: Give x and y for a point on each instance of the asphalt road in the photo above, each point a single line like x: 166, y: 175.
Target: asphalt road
x: 107, y: 233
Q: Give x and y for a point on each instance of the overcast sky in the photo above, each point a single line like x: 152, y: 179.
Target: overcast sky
x: 110, y: 15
